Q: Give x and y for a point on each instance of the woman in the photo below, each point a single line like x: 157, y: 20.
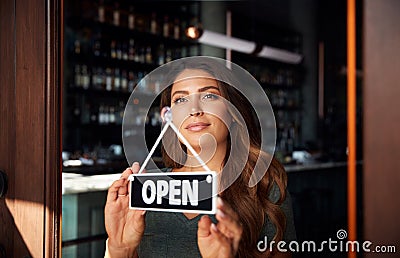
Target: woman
x: 215, y: 118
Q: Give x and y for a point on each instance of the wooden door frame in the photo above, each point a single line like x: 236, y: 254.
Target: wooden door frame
x: 381, y: 123
x: 30, y: 126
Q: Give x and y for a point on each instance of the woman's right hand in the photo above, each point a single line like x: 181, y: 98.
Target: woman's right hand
x: 124, y: 226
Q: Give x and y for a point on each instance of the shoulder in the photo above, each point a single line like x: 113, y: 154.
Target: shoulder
x: 274, y: 193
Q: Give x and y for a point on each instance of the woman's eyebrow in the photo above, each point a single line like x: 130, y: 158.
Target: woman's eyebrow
x: 206, y: 88
x: 203, y: 89
x: 183, y: 92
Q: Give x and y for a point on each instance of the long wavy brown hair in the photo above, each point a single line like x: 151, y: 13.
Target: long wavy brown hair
x: 251, y: 203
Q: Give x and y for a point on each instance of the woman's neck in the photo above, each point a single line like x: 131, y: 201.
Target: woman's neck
x: 214, y: 162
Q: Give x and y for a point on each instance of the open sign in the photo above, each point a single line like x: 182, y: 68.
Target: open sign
x: 192, y: 192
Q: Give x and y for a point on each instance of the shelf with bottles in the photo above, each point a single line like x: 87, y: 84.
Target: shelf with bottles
x: 84, y: 111
x: 119, y: 68
x: 114, y: 82
x: 281, y: 99
x: 110, y: 31
x: 271, y: 74
x: 282, y: 84
x: 94, y: 133
x: 97, y: 30
x: 126, y: 49
x: 288, y: 134
x: 169, y: 21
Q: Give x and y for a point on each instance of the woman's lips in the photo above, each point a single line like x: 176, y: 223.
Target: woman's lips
x: 198, y: 126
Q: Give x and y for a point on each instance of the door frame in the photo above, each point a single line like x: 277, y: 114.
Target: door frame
x: 30, y: 126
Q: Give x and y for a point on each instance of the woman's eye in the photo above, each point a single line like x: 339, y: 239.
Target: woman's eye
x: 180, y: 100
x: 210, y: 96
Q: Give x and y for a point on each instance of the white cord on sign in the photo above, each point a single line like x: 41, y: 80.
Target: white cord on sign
x: 168, y: 119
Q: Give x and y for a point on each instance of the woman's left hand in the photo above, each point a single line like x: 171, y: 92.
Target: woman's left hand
x: 221, y: 240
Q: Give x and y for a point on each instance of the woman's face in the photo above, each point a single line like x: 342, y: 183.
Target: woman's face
x: 199, y: 110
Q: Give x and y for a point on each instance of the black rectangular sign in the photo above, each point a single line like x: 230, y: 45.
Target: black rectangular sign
x: 192, y: 192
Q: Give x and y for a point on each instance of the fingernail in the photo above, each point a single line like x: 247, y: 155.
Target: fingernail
x: 143, y: 212
x: 220, y: 202
x: 220, y: 213
x: 135, y: 163
x: 214, y: 227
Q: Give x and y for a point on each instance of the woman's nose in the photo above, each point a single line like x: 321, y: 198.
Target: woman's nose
x: 196, y: 106
x: 197, y: 113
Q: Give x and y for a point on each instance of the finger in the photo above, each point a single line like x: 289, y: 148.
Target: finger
x: 204, y: 227
x: 218, y: 236
x: 226, y: 209
x: 124, y: 190
x: 229, y: 223
x: 112, y: 194
x: 135, y: 167
x: 131, y: 170
x: 234, y: 235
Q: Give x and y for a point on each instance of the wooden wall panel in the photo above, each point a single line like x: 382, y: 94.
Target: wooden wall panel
x: 7, y: 118
x: 30, y: 120
x: 382, y: 122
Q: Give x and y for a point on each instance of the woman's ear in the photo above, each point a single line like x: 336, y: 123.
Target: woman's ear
x: 164, y: 115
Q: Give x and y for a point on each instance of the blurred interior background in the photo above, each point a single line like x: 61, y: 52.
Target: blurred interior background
x: 110, y: 45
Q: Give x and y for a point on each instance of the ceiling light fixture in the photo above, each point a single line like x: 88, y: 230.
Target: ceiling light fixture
x: 240, y: 45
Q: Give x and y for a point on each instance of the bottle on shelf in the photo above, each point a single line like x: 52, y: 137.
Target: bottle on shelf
x: 166, y: 27
x: 95, y: 79
x: 93, y: 115
x: 101, y: 12
x: 113, y: 49
x: 177, y: 29
x: 120, y: 113
x: 131, y: 18
x: 161, y: 55
x: 116, y: 15
x: 101, y: 79
x: 77, y: 76
x: 119, y: 51
x: 77, y: 47
x: 153, y: 24
x: 125, y: 54
x: 101, y: 114
x: 85, y: 77
x: 124, y: 81
x: 131, y: 50
x: 97, y: 46
x: 109, y: 79
x: 106, y: 115
x: 117, y: 80
x: 149, y: 57
x: 131, y: 81
x: 141, y: 23
x: 112, y: 115
x: 142, y: 55
x: 168, y: 56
